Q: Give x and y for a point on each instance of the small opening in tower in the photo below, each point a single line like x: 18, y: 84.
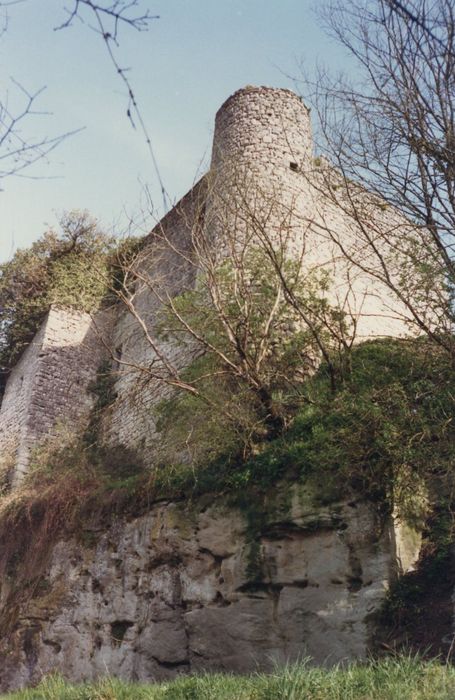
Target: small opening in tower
x: 294, y: 166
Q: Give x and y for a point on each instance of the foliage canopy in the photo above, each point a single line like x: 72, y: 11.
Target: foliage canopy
x: 68, y: 267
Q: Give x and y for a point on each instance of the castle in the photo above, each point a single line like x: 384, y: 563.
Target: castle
x: 170, y: 591
x: 262, y: 156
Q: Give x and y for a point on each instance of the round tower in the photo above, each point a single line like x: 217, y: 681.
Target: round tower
x: 265, y: 129
x: 262, y: 145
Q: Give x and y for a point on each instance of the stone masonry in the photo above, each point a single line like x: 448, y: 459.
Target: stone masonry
x: 48, y: 386
x: 262, y: 161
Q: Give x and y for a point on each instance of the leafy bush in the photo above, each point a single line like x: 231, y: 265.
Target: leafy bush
x: 70, y: 268
x: 389, y: 429
x: 385, y: 432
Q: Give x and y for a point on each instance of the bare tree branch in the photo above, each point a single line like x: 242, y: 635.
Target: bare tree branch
x: 391, y: 131
x: 17, y: 153
x: 106, y: 19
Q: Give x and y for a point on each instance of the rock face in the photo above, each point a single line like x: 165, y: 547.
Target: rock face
x: 184, y: 589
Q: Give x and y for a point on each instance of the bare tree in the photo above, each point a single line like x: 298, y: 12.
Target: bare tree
x: 223, y: 310
x: 416, y: 13
x: 392, y: 131
x: 17, y: 152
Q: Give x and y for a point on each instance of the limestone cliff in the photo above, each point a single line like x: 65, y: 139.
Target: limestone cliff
x: 189, y: 587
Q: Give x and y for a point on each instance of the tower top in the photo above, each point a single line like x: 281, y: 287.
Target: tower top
x: 262, y: 128
x: 258, y: 91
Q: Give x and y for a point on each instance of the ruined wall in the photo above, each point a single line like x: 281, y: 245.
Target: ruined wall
x: 262, y: 170
x: 49, y: 384
x: 191, y: 588
x: 259, y: 134
x: 16, y: 406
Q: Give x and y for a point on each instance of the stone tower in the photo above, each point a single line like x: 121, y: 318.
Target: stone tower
x: 265, y: 183
x: 262, y: 144
x: 264, y: 130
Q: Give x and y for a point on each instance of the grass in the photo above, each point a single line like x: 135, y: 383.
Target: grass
x: 403, y: 678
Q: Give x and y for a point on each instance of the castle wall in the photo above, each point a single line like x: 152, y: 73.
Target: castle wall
x: 48, y: 386
x: 352, y: 243
x: 130, y: 420
x: 264, y: 186
x: 259, y: 133
x: 16, y: 403
x: 263, y: 182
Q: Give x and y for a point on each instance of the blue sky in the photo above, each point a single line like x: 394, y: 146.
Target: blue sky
x: 192, y: 58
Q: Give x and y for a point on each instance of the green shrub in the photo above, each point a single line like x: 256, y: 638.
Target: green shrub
x: 384, y: 433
